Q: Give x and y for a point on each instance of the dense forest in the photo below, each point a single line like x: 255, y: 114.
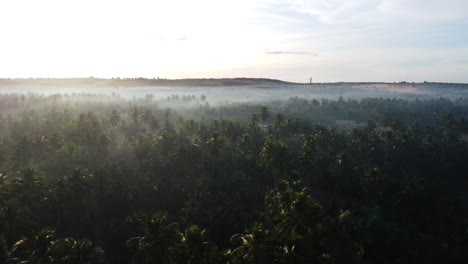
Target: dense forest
x: 102, y: 179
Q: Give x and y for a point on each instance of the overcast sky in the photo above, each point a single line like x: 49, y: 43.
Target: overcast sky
x: 328, y: 40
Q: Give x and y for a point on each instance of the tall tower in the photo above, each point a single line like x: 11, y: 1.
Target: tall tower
x: 310, y: 80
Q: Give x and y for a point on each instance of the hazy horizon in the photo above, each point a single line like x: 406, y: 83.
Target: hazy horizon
x: 220, y: 78
x: 330, y: 41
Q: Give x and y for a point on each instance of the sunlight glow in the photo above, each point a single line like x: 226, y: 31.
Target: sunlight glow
x: 265, y: 38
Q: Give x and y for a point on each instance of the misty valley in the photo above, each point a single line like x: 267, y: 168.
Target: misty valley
x: 234, y: 132
x: 116, y: 172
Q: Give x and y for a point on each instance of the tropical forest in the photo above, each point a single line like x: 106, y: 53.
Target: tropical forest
x: 188, y: 178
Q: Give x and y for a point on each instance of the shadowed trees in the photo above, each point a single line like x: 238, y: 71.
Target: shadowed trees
x: 95, y: 181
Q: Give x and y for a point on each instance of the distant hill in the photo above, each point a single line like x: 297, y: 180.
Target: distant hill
x: 192, y: 82
x: 129, y: 82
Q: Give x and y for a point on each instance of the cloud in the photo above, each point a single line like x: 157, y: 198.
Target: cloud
x: 329, y: 12
x: 364, y: 12
x: 281, y: 52
x: 462, y: 61
x: 181, y: 38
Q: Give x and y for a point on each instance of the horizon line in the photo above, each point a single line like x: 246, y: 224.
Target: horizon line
x: 221, y: 78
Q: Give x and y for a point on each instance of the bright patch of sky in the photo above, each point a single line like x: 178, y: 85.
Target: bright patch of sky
x: 329, y: 40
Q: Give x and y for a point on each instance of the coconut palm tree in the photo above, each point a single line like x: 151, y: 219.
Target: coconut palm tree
x: 264, y: 114
x: 154, y: 245
x: 193, y: 248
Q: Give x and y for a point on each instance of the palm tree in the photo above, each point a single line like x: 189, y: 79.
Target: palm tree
x: 159, y: 236
x: 264, y: 114
x: 33, y: 249
x: 254, y: 120
x: 71, y: 250
x: 135, y: 114
x: 275, y: 157
x: 244, y: 252
x: 114, y: 118
x: 194, y: 249
x: 43, y: 248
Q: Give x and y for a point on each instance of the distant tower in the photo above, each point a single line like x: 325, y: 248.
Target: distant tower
x: 310, y: 80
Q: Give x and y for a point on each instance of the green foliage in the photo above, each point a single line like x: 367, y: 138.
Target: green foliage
x: 193, y: 248
x: 296, y: 229
x: 43, y: 247
x: 159, y: 236
x: 164, y: 243
x: 236, y: 183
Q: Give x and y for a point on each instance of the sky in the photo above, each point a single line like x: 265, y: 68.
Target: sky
x: 292, y: 40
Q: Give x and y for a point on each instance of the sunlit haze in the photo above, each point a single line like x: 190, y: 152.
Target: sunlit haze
x: 352, y: 40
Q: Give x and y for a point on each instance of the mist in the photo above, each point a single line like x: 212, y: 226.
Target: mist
x: 217, y: 95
